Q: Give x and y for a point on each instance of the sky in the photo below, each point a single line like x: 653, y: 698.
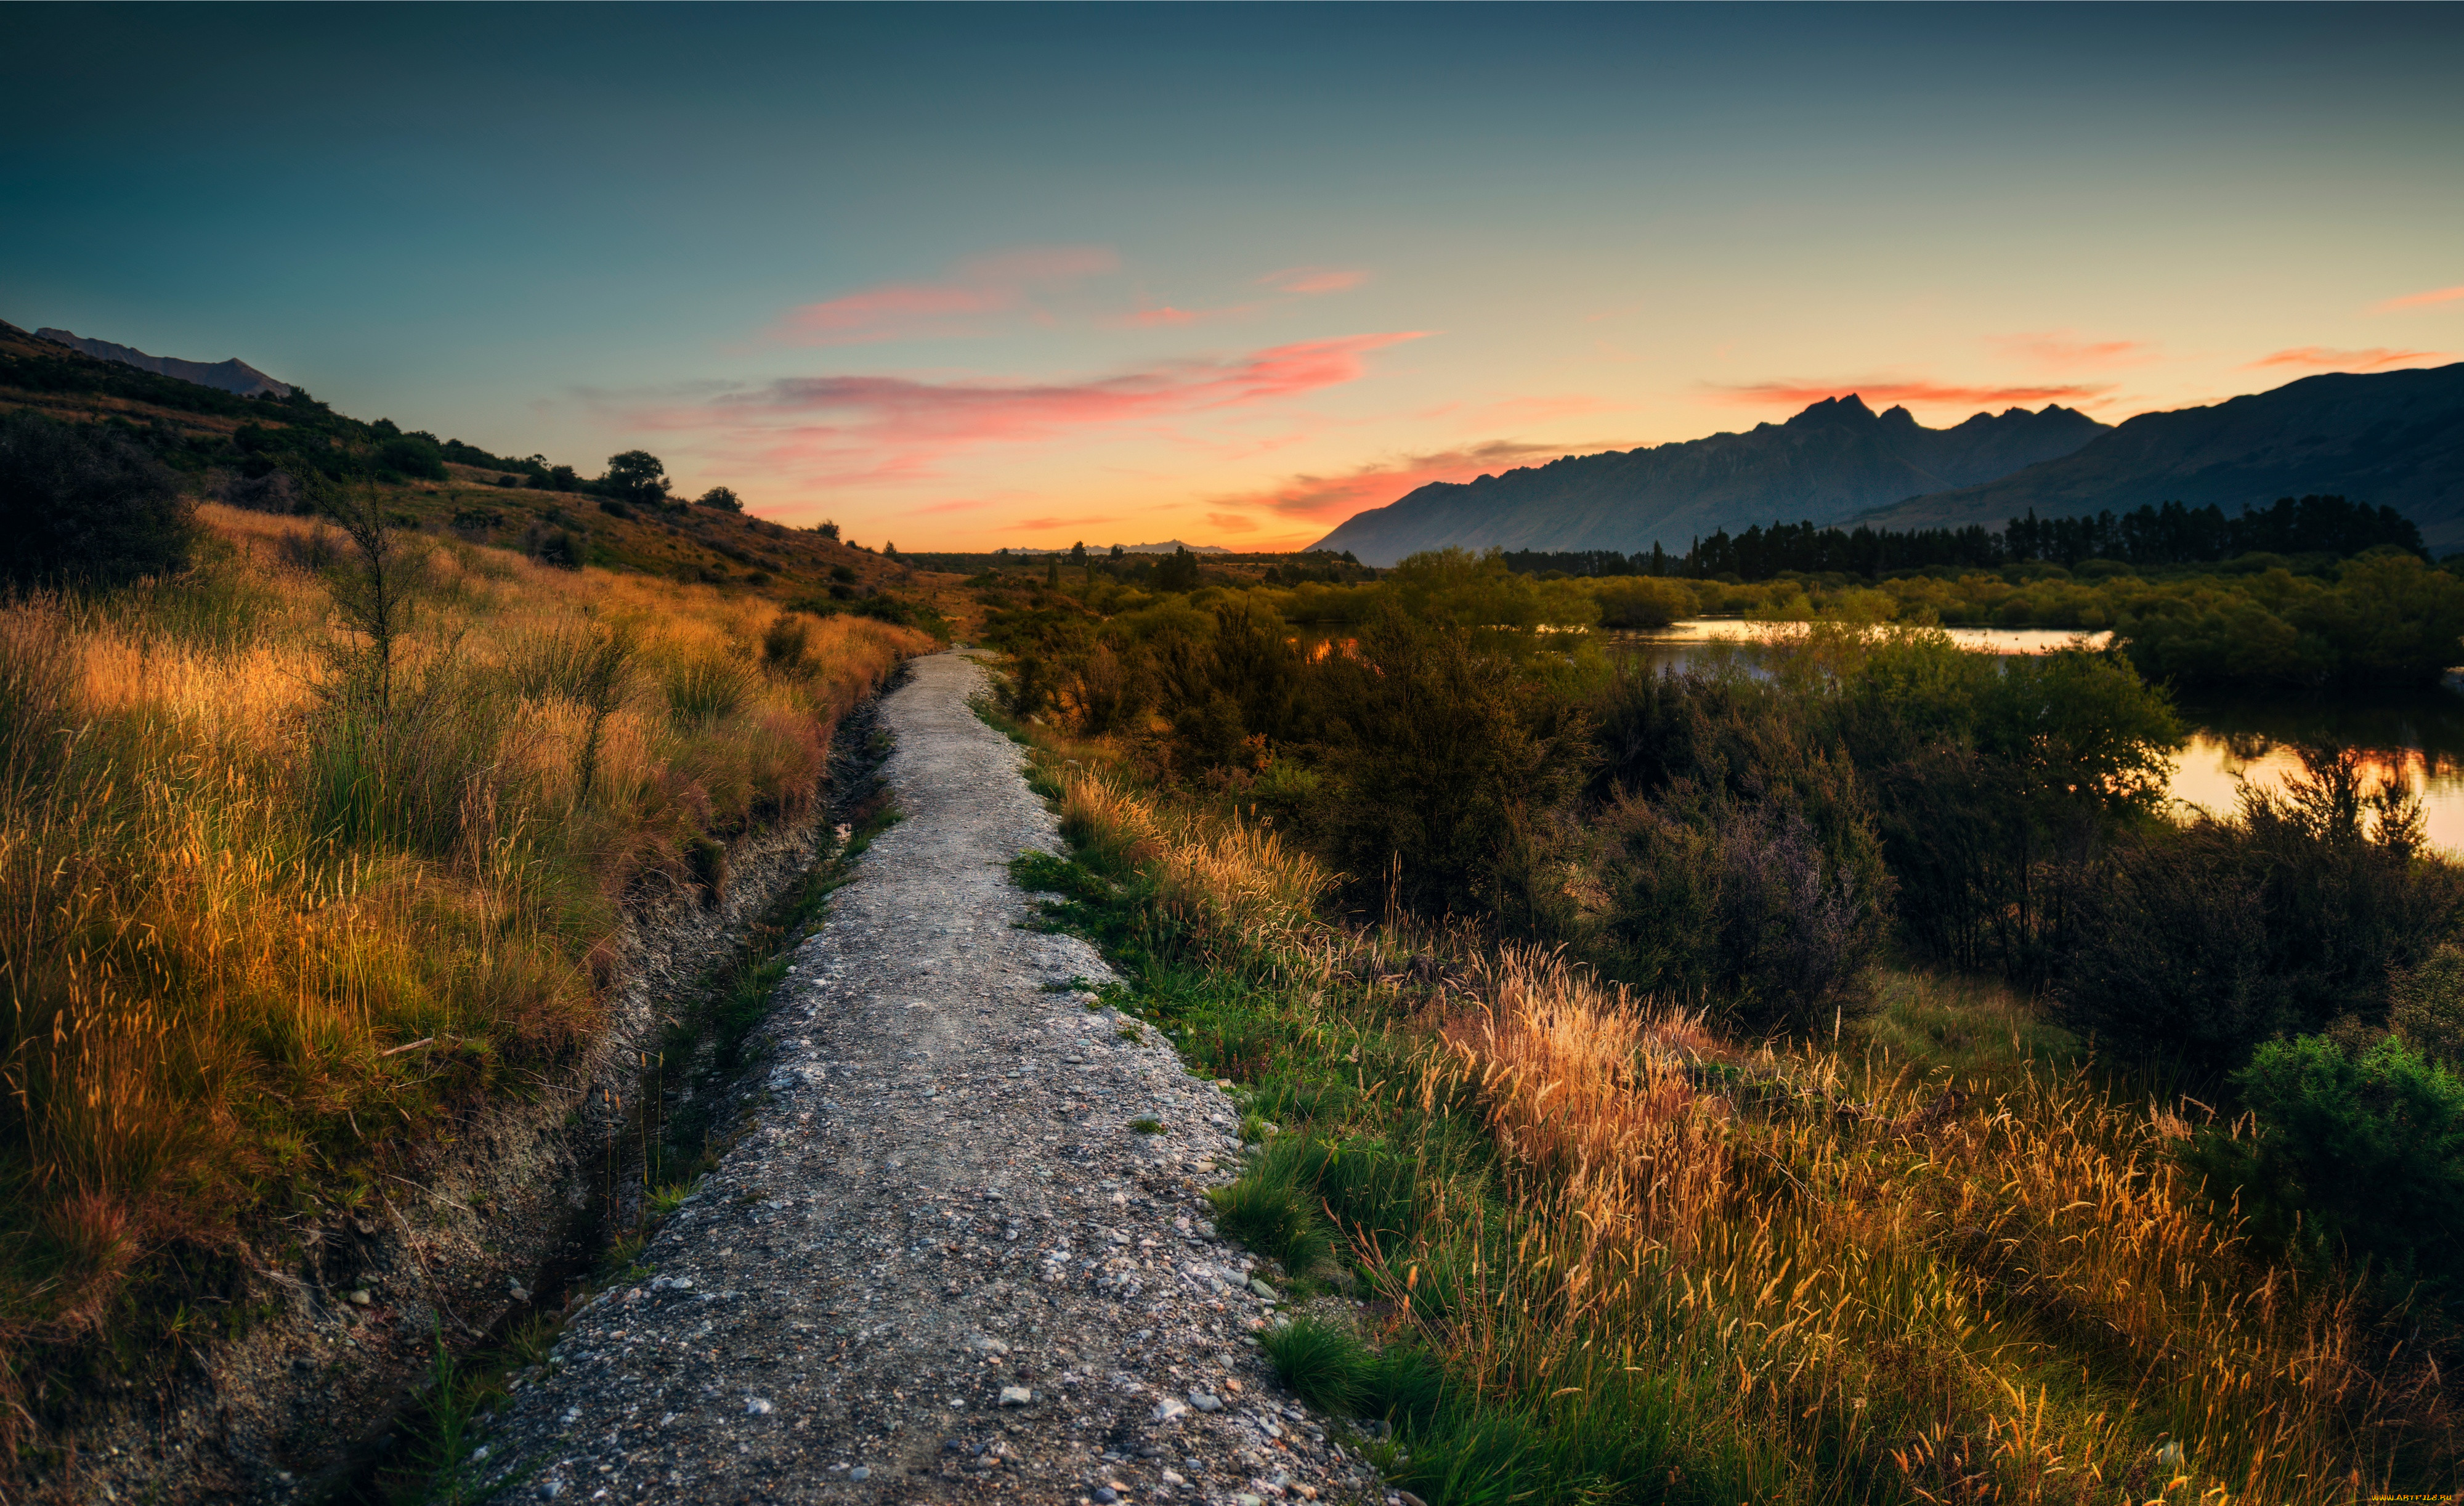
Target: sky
x: 965, y: 278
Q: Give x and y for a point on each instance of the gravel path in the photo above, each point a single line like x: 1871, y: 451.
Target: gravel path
x: 940, y: 1263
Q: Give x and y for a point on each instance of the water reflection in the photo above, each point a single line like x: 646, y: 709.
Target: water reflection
x: 2419, y: 739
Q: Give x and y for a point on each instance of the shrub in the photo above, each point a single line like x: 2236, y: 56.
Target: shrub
x: 82, y: 505
x: 2359, y: 1158
x: 274, y: 492
x: 1641, y: 601
x: 720, y: 497
x: 2426, y: 1007
x: 2201, y: 942
x: 410, y: 456
x: 614, y: 508
x: 1737, y: 904
x: 561, y: 547
x: 785, y: 643
x: 1432, y: 748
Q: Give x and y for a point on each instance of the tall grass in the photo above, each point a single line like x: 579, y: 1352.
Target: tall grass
x: 1658, y: 1265
x: 232, y: 891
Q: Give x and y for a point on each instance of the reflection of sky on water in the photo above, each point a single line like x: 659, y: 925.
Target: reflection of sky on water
x: 2417, y: 737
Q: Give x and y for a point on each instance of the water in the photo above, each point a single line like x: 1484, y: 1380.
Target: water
x: 2418, y: 738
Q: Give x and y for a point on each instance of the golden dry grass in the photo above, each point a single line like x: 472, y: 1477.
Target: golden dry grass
x: 1826, y: 1273
x: 226, y: 894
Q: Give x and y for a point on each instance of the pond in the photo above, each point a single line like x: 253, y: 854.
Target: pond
x: 2419, y: 737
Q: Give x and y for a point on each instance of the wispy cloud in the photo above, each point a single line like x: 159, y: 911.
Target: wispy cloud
x: 1313, y: 279
x: 1232, y: 522
x: 1293, y: 283
x: 1374, y: 485
x: 2429, y: 300
x: 2063, y: 350
x: 878, y: 429
x: 1881, y: 393
x: 2321, y: 358
x: 1167, y: 316
x: 959, y: 304
x: 1040, y: 523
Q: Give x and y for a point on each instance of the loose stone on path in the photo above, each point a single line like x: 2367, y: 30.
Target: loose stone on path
x: 941, y: 1261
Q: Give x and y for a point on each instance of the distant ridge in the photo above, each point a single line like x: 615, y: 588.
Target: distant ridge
x: 1835, y: 458
x: 231, y: 376
x: 2389, y: 439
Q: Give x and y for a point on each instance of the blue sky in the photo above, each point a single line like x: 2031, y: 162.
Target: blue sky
x: 977, y: 275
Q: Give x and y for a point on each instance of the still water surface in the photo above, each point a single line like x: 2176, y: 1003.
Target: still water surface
x: 2420, y: 739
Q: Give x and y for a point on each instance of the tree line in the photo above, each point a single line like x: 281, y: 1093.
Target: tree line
x: 2168, y: 535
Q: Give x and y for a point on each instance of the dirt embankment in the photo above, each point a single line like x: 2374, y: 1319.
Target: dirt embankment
x: 470, y: 1235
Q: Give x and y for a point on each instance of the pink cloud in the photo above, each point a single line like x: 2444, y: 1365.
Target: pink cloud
x: 956, y: 305
x: 1167, y: 317
x: 2321, y: 358
x: 2063, y: 350
x: 1313, y: 279
x: 905, y: 409
x: 1232, y: 522
x: 1374, y: 485
x: 2429, y: 300
x: 1040, y: 523
x: 865, y: 429
x: 1880, y: 393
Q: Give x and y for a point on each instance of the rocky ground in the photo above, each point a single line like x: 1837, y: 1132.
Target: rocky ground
x: 960, y: 1249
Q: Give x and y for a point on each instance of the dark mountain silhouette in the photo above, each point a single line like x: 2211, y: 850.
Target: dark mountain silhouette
x: 2390, y: 438
x: 231, y: 376
x: 1831, y: 461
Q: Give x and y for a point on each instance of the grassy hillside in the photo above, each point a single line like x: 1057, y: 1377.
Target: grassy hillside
x: 290, y: 884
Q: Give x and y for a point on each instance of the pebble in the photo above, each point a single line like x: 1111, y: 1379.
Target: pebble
x: 965, y: 1289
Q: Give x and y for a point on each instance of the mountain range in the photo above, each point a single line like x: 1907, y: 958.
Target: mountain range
x: 1835, y: 459
x: 231, y: 376
x: 2392, y: 438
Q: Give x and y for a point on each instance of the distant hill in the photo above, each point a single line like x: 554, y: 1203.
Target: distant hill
x: 231, y: 376
x: 1831, y: 461
x: 2390, y: 438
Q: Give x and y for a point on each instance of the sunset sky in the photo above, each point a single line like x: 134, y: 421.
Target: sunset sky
x: 964, y: 278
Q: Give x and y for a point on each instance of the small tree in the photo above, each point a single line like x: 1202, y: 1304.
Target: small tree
x: 826, y: 529
x: 721, y: 498
x: 373, y: 590
x: 1078, y: 553
x: 637, y: 476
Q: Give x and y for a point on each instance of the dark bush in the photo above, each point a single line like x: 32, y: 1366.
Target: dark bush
x: 274, y: 492
x: 78, y: 505
x: 614, y: 508
x: 409, y: 454
x: 1436, y: 750
x: 563, y: 548
x: 2198, y: 943
x: 2357, y: 1159
x: 1737, y: 904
